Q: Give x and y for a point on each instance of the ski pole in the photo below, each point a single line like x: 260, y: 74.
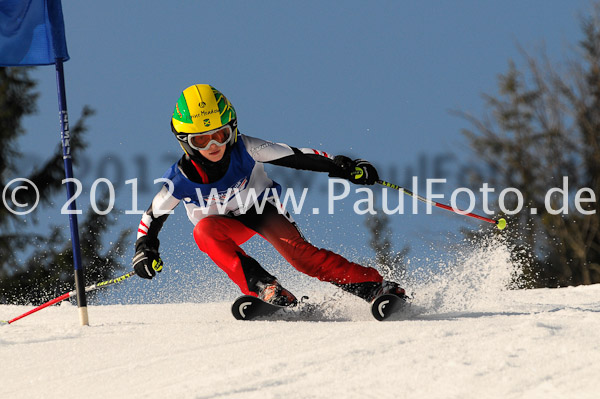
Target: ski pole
x: 500, y: 223
x: 70, y: 294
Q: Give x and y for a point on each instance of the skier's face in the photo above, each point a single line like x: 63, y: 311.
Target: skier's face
x: 214, y: 152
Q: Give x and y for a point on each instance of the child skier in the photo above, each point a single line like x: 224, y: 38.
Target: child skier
x: 217, y: 157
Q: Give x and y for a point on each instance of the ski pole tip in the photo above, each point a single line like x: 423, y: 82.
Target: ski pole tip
x: 501, y: 223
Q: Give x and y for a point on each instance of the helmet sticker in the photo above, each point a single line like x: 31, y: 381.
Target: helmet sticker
x: 225, y: 108
x: 181, y: 111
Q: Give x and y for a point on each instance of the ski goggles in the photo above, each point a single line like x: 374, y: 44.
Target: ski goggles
x: 203, y: 141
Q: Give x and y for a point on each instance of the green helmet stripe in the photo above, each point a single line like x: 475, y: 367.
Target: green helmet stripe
x: 225, y: 108
x: 181, y: 111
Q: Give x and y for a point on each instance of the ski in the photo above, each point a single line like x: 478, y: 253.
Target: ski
x: 249, y: 307
x: 386, y: 305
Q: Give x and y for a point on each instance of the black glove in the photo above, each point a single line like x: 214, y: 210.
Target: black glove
x: 146, y: 261
x: 358, y: 171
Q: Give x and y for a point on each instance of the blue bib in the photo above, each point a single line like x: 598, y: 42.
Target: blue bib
x: 238, y: 176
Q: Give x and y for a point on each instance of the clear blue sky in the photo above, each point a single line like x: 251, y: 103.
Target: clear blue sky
x: 371, y: 79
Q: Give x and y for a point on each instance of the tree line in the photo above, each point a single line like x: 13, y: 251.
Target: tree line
x: 36, y: 267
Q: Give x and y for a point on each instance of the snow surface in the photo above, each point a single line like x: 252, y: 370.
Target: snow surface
x: 465, y: 336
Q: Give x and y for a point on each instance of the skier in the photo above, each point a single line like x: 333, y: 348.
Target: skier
x: 217, y: 158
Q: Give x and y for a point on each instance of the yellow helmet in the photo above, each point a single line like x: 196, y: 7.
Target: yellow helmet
x: 202, y: 108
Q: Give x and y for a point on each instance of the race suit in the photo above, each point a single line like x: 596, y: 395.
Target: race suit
x: 221, y: 201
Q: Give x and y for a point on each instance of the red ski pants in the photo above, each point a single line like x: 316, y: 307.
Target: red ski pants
x: 220, y: 238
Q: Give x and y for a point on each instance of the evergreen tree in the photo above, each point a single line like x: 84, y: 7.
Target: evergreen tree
x: 543, y: 125
x: 48, y: 269
x: 391, y: 263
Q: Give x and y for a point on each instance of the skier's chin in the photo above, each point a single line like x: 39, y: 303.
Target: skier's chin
x: 214, y: 155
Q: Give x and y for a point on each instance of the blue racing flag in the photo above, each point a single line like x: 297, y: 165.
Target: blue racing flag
x: 32, y: 32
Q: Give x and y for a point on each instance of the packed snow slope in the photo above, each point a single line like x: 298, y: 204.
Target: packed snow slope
x: 465, y: 336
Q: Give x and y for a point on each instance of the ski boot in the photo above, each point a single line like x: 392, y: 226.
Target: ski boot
x: 275, y: 294
x: 389, y: 287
